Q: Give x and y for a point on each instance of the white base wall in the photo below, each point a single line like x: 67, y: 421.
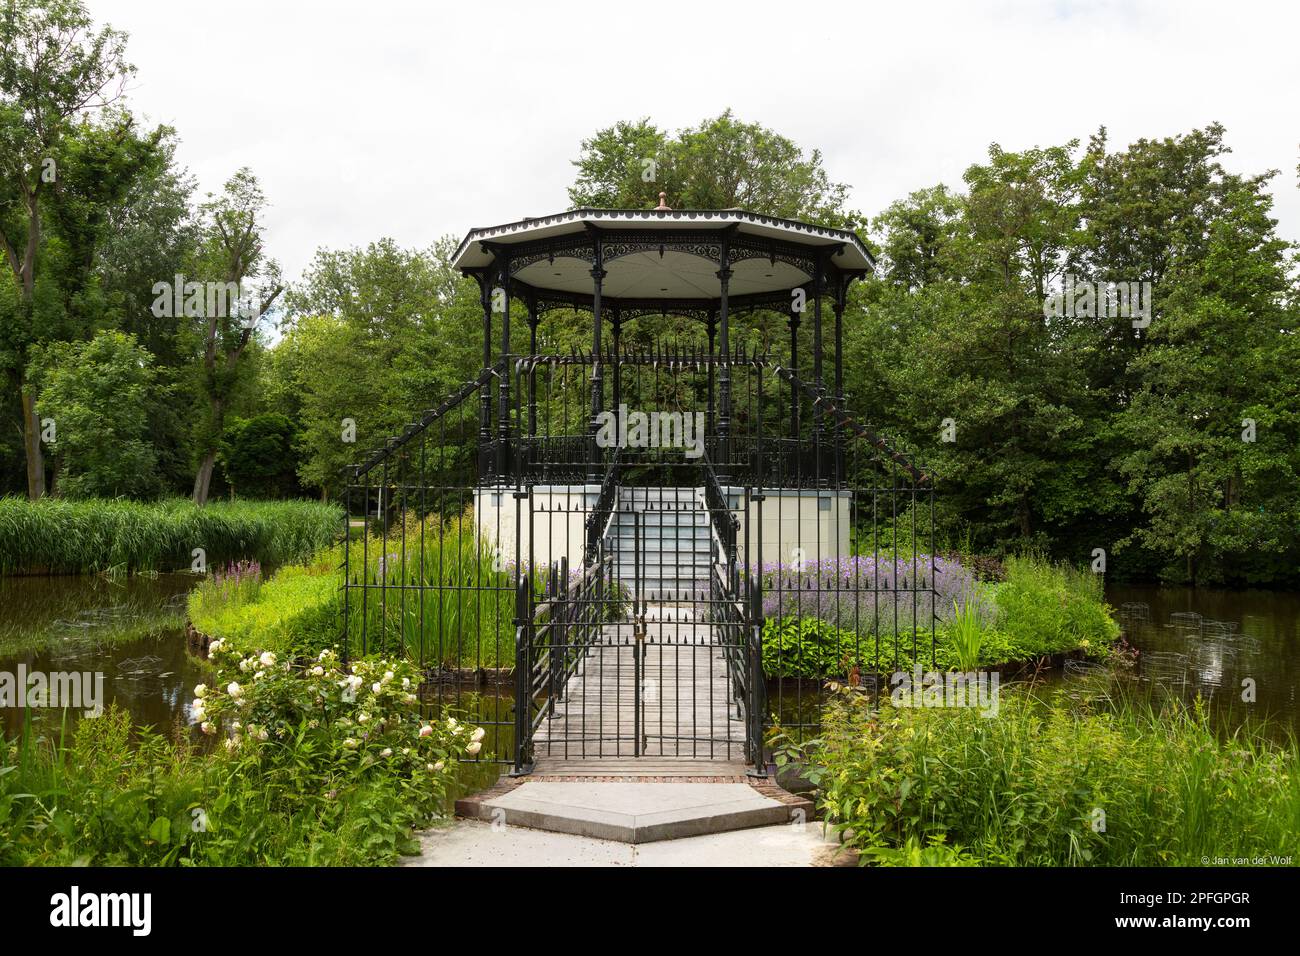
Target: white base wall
x: 554, y: 523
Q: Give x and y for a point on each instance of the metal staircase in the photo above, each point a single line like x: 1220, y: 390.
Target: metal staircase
x: 676, y: 543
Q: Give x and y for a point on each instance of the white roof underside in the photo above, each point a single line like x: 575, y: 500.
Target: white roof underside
x: 674, y: 275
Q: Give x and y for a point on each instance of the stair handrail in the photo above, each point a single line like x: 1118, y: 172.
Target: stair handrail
x: 826, y: 405
x: 413, y: 430
x: 598, y: 522
x: 717, y: 506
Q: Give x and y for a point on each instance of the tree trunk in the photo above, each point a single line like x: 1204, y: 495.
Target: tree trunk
x: 32, y: 446
x: 203, y: 480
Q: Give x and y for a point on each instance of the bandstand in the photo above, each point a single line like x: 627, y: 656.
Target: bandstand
x: 646, y: 502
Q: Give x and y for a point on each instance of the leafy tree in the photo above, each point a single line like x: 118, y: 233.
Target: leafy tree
x: 54, y: 67
x: 1211, y: 428
x: 719, y: 164
x: 231, y: 255
x: 92, y: 396
x: 257, y: 455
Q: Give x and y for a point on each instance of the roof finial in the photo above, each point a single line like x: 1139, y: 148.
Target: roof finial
x: 663, y: 203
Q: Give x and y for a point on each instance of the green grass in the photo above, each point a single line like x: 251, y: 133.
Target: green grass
x: 1060, y: 781
x: 56, y: 536
x: 296, y: 610
x: 462, y: 617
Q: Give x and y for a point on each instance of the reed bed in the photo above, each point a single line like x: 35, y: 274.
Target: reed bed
x: 57, y: 536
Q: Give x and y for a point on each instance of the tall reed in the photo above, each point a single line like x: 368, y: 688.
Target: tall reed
x: 56, y: 536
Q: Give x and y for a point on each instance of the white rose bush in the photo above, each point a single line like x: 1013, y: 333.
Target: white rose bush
x: 339, y: 741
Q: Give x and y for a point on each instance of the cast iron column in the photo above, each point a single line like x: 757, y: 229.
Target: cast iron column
x: 840, y: 287
x: 485, y: 390
x: 713, y: 337
x: 532, y: 370
x: 597, y: 376
x: 503, y: 387
x: 819, y: 281
x: 724, y: 374
x: 794, y: 367
x: 617, y: 326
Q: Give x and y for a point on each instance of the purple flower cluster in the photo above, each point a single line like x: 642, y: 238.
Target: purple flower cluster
x: 871, y: 595
x: 238, y: 577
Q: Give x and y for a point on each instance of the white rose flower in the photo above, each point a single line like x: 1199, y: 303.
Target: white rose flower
x: 473, y: 748
x: 439, y: 765
x: 216, y: 646
x: 426, y: 731
x: 267, y: 659
x: 388, y: 675
x: 363, y: 718
x: 386, y: 752
x: 376, y: 687
x: 349, y: 744
x: 479, y: 734
x: 200, y: 690
x: 206, y: 727
x: 318, y: 671
x: 234, y: 690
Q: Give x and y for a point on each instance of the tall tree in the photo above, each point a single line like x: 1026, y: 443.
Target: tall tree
x: 230, y: 257
x: 719, y: 164
x: 54, y: 66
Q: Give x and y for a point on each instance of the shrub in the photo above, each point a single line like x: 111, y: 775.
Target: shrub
x: 1031, y: 785
x: 1045, y: 608
x: 316, y: 765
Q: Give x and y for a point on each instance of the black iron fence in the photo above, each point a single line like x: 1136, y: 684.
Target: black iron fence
x: 589, y: 599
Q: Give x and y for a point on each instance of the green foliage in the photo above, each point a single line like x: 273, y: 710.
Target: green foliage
x: 257, y: 455
x: 1049, y: 783
x: 1052, y: 607
x: 54, y: 536
x: 722, y: 163
x: 95, y: 395
x: 966, y: 635
x: 461, y: 617
x: 297, y: 611
x: 317, y: 766
x: 1079, y: 431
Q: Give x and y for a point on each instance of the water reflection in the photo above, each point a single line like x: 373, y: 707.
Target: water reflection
x: 130, y: 631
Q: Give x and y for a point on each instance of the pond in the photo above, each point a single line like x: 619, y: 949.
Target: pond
x: 1191, y: 641
x: 132, y: 631
x: 1224, y: 646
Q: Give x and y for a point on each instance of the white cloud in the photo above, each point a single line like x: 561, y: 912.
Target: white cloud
x: 417, y: 119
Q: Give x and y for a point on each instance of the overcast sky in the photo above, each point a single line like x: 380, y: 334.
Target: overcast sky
x: 415, y: 119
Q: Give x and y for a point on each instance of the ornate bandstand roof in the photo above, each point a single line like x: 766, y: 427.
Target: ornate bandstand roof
x: 662, y: 257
